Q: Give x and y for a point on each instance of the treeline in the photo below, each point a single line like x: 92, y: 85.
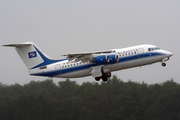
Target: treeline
x: 112, y: 100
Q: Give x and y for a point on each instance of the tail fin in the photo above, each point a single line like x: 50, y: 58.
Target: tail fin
x: 31, y: 55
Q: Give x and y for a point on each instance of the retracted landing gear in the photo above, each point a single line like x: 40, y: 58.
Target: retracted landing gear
x: 163, y: 64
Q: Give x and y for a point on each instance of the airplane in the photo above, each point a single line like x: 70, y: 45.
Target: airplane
x: 99, y: 64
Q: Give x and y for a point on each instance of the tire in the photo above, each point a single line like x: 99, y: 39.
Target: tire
x: 104, y: 78
x: 163, y: 64
x: 97, y: 78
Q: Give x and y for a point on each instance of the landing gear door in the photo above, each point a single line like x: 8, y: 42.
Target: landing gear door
x: 58, y: 68
x: 97, y: 71
x: 141, y: 52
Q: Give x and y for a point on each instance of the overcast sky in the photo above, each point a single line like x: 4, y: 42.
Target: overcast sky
x: 63, y: 26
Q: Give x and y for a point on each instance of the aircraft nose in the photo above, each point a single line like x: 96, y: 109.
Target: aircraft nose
x: 169, y: 54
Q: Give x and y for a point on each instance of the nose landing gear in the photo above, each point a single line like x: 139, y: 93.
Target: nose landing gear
x: 164, y: 60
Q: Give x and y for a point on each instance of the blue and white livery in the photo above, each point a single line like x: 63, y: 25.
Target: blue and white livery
x: 99, y: 64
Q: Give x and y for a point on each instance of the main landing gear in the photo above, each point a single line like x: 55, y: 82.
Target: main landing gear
x: 104, y: 77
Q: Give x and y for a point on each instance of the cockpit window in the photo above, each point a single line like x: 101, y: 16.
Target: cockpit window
x: 156, y: 48
x: 152, y: 49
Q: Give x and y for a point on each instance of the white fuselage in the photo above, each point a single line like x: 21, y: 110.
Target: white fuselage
x: 128, y: 58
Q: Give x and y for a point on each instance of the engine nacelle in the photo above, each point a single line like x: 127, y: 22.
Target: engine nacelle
x: 113, y: 58
x: 101, y: 59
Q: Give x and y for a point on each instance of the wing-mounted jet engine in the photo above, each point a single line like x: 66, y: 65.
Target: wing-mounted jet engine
x: 113, y: 58
x: 101, y: 59
x: 105, y: 59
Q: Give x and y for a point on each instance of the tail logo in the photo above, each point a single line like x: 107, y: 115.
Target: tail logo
x: 32, y: 54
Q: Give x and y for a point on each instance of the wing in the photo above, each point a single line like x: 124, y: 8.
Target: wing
x: 79, y: 56
x: 85, y: 56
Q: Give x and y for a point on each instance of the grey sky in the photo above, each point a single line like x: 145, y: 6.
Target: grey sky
x: 63, y: 26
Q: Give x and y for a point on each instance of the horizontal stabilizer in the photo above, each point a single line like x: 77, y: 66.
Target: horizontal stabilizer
x: 18, y: 45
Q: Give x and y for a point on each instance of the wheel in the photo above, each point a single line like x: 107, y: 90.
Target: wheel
x: 163, y: 64
x: 97, y: 78
x: 104, y: 78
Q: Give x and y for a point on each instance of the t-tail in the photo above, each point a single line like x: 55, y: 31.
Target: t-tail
x: 31, y: 55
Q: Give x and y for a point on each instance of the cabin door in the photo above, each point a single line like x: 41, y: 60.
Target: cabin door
x: 141, y: 52
x: 58, y: 68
